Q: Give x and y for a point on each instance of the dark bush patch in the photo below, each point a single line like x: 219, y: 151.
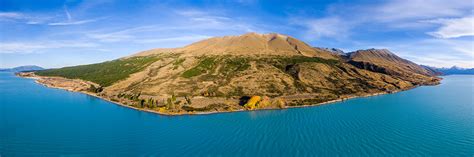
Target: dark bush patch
x: 105, y: 73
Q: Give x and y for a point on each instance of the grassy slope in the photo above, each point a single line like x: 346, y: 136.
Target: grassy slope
x: 105, y: 73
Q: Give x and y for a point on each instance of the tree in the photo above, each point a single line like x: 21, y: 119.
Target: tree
x: 94, y: 89
x: 264, y: 102
x: 151, y: 103
x: 99, y: 89
x: 171, y: 102
x: 142, y: 103
x: 251, y: 104
x: 188, y: 100
x: 135, y: 97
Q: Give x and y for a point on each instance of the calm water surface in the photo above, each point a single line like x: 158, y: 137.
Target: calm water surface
x: 435, y: 120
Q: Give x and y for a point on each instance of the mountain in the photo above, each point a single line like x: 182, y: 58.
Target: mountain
x: 433, y: 70
x: 246, y: 72
x: 248, y: 44
x: 452, y: 71
x: 334, y: 51
x: 23, y: 68
x: 384, y: 61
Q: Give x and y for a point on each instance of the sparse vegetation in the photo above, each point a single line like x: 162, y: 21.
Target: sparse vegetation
x: 238, y: 91
x: 283, y: 62
x: 208, y: 108
x: 178, y: 62
x: 228, y: 66
x: 233, y: 64
x: 312, y: 101
x: 204, y: 66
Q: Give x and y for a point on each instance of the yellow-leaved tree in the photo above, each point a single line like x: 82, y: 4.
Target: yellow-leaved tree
x: 251, y: 104
x: 264, y: 103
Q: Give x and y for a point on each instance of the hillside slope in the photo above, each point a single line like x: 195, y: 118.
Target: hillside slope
x: 247, y: 72
x: 247, y: 44
x: 384, y: 61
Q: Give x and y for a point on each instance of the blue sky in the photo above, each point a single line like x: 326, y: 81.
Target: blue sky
x: 59, y: 33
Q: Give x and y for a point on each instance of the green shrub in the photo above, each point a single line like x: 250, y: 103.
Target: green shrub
x: 283, y: 62
x: 204, y: 66
x: 235, y: 64
x: 178, y: 63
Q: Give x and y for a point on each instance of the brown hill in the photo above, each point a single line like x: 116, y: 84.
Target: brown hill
x: 248, y: 44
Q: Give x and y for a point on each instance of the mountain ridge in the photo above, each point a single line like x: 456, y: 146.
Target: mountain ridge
x: 23, y: 68
x: 247, y: 44
x: 454, y: 70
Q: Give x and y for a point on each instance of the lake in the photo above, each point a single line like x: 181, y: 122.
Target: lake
x: 430, y: 120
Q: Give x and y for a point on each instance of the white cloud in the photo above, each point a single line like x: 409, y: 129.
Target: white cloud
x: 455, y: 27
x: 441, y: 61
x: 122, y: 35
x: 331, y: 27
x: 397, y: 10
x: 190, y: 12
x: 39, y: 19
x: 448, y: 19
x: 210, y: 19
x: 433, y: 52
x: 11, y: 15
x: 72, y: 22
x: 182, y: 27
x: 394, y: 14
x: 33, y: 22
x: 191, y: 38
x: 465, y: 47
x: 34, y: 47
x: 68, y: 15
x: 193, y: 19
x: 246, y: 2
x: 19, y: 17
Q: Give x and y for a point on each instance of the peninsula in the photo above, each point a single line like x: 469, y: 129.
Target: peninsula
x: 238, y: 73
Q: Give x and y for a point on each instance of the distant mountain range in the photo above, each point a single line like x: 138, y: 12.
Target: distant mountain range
x: 451, y: 71
x: 22, y: 68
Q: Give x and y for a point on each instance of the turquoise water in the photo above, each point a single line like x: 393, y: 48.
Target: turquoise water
x: 435, y: 121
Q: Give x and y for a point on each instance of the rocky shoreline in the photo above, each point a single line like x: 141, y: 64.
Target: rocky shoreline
x: 76, y: 85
